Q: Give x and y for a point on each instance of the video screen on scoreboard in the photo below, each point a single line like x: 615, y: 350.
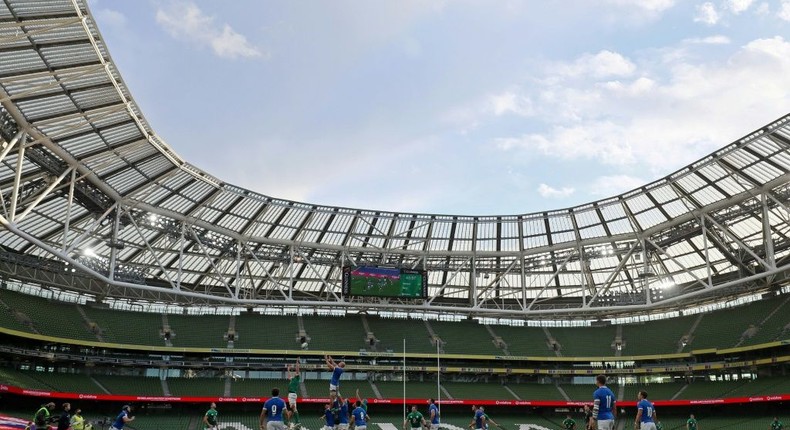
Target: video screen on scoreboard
x: 385, y: 282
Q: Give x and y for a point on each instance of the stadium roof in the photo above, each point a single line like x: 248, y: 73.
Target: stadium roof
x: 93, y: 200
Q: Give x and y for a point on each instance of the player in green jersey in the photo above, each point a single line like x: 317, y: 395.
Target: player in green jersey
x: 569, y: 423
x: 776, y: 424
x: 659, y: 426
x: 691, y: 424
x: 294, y: 383
x: 210, y: 418
x: 415, y: 419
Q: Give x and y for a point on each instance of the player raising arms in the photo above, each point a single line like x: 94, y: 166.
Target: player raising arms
x: 342, y: 407
x: 337, y: 371
x: 328, y: 417
x: 604, y: 410
x: 364, y: 401
x: 294, y: 382
x: 645, y: 413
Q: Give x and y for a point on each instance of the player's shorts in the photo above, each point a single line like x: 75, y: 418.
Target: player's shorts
x: 332, y: 387
x: 647, y: 426
x: 434, y: 426
x: 292, y: 399
x: 416, y: 428
x: 342, y: 426
x: 365, y: 427
x: 328, y: 428
x: 275, y: 425
x: 605, y: 424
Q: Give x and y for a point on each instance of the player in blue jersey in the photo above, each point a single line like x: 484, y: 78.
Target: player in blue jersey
x: 433, y: 414
x: 328, y: 417
x: 342, y: 407
x: 479, y: 420
x: 359, y: 418
x: 337, y: 371
x: 123, y: 418
x: 272, y: 414
x: 645, y: 413
x: 604, y: 410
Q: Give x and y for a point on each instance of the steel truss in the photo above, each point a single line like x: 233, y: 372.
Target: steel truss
x: 92, y: 200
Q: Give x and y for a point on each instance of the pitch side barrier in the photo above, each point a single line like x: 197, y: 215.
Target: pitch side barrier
x: 182, y: 399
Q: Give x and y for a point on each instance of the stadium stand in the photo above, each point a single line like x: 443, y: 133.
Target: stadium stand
x: 255, y: 387
x: 579, y: 392
x: 335, y: 333
x: 773, y: 327
x: 720, y: 330
x: 465, y: 337
x: 68, y: 382
x: 9, y: 320
x: 665, y: 336
x: 584, y: 342
x: 250, y: 331
x: 197, y: 386
x: 654, y: 391
x: 528, y: 391
x: 391, y: 333
x: 50, y: 317
x: 414, y: 389
x: 135, y: 385
x: 477, y: 390
x: 136, y: 328
x: 348, y: 387
x: 22, y: 379
x: 762, y: 387
x: 203, y: 331
x: 709, y: 389
x: 524, y: 340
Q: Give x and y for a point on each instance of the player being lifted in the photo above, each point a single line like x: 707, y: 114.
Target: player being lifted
x: 645, y: 413
x: 294, y: 383
x: 604, y: 410
x: 337, y: 371
x: 415, y: 419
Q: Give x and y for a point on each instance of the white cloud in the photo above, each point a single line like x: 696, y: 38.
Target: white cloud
x: 763, y: 10
x: 738, y: 6
x: 784, y: 11
x: 550, y: 192
x: 185, y: 21
x: 680, y: 110
x: 648, y: 5
x: 110, y: 17
x: 601, y: 65
x: 509, y: 102
x: 707, y: 14
x: 710, y: 40
x: 605, y: 186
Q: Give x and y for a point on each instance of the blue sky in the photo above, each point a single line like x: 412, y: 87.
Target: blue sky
x: 463, y: 107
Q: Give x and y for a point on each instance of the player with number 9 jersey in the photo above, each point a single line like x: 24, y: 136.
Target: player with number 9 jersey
x: 359, y: 417
x: 272, y: 413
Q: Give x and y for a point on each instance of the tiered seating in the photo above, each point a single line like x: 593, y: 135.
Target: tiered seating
x: 709, y: 390
x: 762, y: 387
x: 7, y: 318
x: 203, y: 331
x: 720, y: 330
x: 257, y: 387
x: 49, y: 317
x: 335, y: 333
x: 196, y: 386
x: 536, y: 391
x: 22, y: 379
x: 477, y: 390
x: 654, y: 391
x: 254, y: 331
x: 467, y: 337
x: 663, y: 336
x: 136, y: 328
x: 136, y: 385
x: 69, y: 382
x: 391, y: 332
x: 584, y: 342
x: 529, y: 341
x: 414, y: 389
x: 348, y: 387
x: 773, y: 328
x: 579, y: 392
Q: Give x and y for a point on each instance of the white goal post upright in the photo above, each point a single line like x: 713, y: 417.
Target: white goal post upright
x: 404, y: 379
x: 438, y: 379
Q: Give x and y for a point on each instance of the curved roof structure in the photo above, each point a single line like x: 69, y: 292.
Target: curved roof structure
x: 93, y: 200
